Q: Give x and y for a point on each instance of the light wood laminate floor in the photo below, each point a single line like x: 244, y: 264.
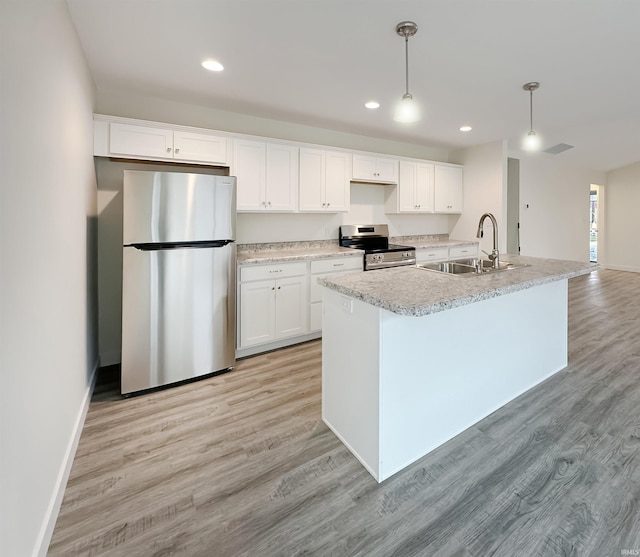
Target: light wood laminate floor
x: 242, y: 465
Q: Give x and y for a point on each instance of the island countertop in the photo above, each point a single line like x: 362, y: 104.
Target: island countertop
x: 416, y: 292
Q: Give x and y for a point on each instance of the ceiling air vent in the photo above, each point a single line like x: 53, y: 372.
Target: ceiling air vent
x: 559, y: 148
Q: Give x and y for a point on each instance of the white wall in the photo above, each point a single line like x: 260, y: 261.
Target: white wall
x: 485, y: 187
x: 622, y: 199
x: 554, y: 207
x: 48, y: 332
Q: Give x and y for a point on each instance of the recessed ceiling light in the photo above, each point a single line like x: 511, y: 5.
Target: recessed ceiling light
x: 372, y: 104
x: 212, y: 65
x: 465, y: 128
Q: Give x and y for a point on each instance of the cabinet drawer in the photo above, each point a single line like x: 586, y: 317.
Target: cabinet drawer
x: 262, y: 272
x: 337, y: 264
x: 463, y: 251
x: 432, y: 254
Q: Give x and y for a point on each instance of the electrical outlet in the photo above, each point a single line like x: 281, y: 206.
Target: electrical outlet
x: 347, y: 305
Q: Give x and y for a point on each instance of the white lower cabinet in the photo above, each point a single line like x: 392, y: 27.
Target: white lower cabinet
x: 428, y: 255
x: 431, y: 254
x: 463, y: 252
x: 322, y: 268
x: 274, y: 303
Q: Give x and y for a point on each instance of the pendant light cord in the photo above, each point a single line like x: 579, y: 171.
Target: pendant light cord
x: 531, y: 109
x: 406, y: 58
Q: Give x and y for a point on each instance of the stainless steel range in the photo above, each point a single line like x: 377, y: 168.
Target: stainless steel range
x: 374, y: 240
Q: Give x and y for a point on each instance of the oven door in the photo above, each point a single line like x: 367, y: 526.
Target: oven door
x: 385, y: 260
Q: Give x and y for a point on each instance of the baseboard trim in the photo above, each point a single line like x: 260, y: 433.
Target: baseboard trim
x: 48, y: 525
x: 622, y: 268
x: 260, y: 348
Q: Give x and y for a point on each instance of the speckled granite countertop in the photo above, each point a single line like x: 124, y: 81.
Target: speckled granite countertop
x: 430, y: 244
x: 416, y: 292
x: 249, y: 254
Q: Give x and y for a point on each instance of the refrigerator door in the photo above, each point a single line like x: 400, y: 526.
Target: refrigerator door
x: 178, y: 314
x: 177, y: 207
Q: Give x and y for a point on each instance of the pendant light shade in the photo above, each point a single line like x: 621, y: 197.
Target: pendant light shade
x: 531, y: 141
x: 407, y: 110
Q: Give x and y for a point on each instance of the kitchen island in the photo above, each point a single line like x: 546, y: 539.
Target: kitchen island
x: 411, y: 357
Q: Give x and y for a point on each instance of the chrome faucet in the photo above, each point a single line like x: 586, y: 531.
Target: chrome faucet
x: 494, y: 255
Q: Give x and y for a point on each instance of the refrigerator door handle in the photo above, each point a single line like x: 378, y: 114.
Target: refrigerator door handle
x: 179, y: 245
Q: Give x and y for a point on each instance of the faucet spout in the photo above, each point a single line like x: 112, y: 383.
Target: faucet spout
x: 495, y: 255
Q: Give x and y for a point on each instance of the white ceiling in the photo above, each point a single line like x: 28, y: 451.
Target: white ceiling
x: 316, y: 62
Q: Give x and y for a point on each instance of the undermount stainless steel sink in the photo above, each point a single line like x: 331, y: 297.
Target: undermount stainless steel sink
x: 469, y: 267
x: 449, y: 267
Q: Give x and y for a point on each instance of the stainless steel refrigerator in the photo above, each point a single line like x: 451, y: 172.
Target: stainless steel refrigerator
x: 179, y: 277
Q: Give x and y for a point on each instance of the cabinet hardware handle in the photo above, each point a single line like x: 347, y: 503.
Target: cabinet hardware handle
x: 177, y: 149
x: 279, y: 287
x: 168, y: 149
x: 328, y: 204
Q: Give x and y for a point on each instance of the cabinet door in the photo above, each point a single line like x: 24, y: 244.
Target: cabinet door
x: 364, y: 168
x: 424, y: 196
x: 448, y: 189
x: 312, y: 180
x: 292, y: 302
x: 281, y: 191
x: 257, y: 312
x: 407, y: 187
x: 140, y: 141
x: 337, y: 182
x: 249, y: 165
x: 387, y: 170
x: 200, y: 147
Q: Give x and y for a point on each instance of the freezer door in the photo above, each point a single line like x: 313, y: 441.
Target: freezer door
x: 177, y: 207
x: 178, y: 314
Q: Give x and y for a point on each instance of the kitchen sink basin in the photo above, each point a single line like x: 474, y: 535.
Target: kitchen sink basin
x: 469, y: 267
x: 449, y: 267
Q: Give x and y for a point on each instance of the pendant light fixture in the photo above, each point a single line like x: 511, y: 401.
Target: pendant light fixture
x: 407, y: 110
x: 531, y: 141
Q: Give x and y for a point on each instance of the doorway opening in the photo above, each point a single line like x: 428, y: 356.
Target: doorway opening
x: 593, y: 223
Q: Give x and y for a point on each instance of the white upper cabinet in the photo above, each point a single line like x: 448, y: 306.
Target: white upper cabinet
x: 324, y: 181
x: 267, y: 176
x: 156, y: 143
x: 448, y: 189
x: 142, y: 141
x: 374, y: 169
x: 200, y: 147
x: 414, y: 193
x: 285, y: 177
